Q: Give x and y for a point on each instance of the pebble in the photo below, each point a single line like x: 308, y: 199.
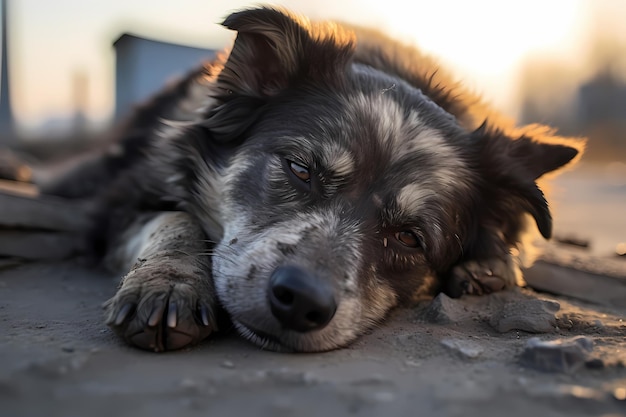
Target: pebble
x: 228, y: 364
x: 595, y: 363
x: 563, y: 355
x: 533, y: 316
x: 188, y: 383
x: 413, y: 364
x: 281, y: 376
x: 464, y: 348
x: 383, y: 397
x: 444, y: 310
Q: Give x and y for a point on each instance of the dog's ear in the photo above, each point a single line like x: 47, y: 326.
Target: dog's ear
x: 275, y: 49
x: 512, y: 162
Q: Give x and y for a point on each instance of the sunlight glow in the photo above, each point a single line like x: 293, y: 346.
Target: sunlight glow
x: 484, y: 40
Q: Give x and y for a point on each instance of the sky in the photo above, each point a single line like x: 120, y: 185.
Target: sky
x: 484, y: 41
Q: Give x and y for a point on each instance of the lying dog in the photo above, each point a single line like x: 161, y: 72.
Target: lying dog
x: 306, y: 183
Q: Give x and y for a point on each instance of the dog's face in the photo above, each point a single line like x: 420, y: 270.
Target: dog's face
x: 346, y: 190
x: 358, y: 195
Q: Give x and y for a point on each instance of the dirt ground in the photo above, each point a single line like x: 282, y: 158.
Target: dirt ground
x: 470, y: 357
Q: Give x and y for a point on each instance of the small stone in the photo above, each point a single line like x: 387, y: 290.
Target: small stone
x: 594, y: 363
x: 413, y: 364
x: 228, y: 364
x: 188, y: 383
x: 383, y: 397
x: 444, y: 310
x: 464, y: 348
x: 67, y: 349
x: 564, y: 355
x: 598, y: 324
x: 533, y: 316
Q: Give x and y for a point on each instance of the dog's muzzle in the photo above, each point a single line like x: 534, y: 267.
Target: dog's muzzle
x: 300, y: 300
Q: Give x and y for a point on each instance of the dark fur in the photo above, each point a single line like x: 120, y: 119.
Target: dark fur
x: 420, y: 154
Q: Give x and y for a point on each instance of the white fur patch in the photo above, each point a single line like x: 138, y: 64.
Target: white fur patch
x: 338, y: 160
x: 386, y: 112
x: 413, y: 197
x: 399, y: 132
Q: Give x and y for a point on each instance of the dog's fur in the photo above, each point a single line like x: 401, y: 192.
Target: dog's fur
x: 307, y: 182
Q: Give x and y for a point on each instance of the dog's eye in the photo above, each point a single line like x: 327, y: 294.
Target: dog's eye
x: 408, y: 238
x: 300, y: 171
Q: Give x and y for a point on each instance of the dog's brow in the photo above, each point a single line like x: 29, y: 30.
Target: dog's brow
x: 412, y: 199
x: 338, y: 160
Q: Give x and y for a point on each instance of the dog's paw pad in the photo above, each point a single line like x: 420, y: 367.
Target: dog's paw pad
x: 160, y: 317
x: 482, y: 277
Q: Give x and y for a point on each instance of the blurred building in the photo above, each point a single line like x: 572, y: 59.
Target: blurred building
x: 602, y: 113
x: 143, y: 66
x: 602, y: 100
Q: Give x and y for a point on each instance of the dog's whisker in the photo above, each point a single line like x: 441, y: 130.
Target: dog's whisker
x: 458, y: 240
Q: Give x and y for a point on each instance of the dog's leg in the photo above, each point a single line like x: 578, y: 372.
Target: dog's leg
x: 495, y: 269
x: 167, y: 300
x: 477, y: 277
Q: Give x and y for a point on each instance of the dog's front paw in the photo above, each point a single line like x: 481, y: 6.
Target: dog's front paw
x: 482, y: 277
x: 157, y: 310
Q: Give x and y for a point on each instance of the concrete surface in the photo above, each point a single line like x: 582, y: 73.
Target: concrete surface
x: 441, y: 358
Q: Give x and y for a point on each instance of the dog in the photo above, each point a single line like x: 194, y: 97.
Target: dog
x: 305, y: 183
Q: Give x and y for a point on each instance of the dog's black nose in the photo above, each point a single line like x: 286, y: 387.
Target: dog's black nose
x: 300, y: 300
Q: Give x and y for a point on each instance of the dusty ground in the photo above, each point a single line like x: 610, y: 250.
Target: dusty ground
x: 445, y: 358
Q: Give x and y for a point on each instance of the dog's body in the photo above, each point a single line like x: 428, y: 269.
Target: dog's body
x: 307, y: 183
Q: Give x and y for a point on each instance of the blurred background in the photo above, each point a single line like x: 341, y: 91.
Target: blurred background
x: 72, y: 68
x: 75, y: 66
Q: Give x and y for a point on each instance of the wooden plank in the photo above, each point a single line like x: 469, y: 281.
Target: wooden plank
x: 41, y: 212
x: 20, y: 188
x: 39, y: 245
x: 577, y: 273
x: 579, y: 284
x: 7, y: 263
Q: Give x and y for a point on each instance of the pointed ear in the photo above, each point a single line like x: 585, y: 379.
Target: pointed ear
x: 511, y: 163
x: 275, y: 49
x: 526, y: 153
x: 540, y: 151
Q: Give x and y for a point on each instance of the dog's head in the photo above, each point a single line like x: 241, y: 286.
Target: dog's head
x: 345, y: 189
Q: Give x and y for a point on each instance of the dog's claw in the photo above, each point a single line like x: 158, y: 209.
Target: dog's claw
x: 160, y: 316
x: 156, y: 315
x: 124, y: 313
x: 204, y: 316
x: 171, y: 316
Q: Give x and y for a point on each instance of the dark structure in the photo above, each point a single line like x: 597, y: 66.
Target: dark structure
x: 7, y: 124
x: 143, y: 66
x: 602, y: 100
